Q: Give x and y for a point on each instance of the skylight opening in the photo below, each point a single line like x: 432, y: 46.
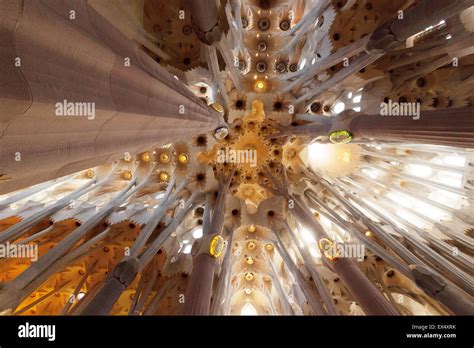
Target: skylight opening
x: 197, y: 233
x: 248, y: 309
x: 339, y: 107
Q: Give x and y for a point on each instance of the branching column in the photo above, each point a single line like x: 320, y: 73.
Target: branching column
x: 199, y: 291
x: 364, y: 292
x: 118, y: 98
x: 418, y: 17
x: 449, y: 127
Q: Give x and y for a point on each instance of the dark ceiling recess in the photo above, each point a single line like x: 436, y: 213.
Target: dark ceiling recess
x: 262, y: 46
x: 285, y: 25
x: 264, y: 4
x: 187, y: 29
x: 315, y: 107
x: 261, y: 66
x: 281, y: 67
x: 264, y: 24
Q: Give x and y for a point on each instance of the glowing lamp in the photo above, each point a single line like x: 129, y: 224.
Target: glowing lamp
x: 146, y: 157
x: 183, y: 158
x: 260, y: 86
x: 164, y: 158
x: 90, y: 174
x: 164, y: 176
x: 127, y: 175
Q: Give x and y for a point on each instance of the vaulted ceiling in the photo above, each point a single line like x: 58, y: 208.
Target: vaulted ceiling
x: 240, y: 157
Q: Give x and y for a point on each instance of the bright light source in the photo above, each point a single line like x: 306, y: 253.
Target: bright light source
x: 339, y: 107
x: 404, y: 215
x: 334, y: 159
x: 419, y: 170
x: 315, y: 252
x: 313, y: 61
x: 450, y: 179
x: 346, y: 156
x: 357, y: 98
x: 429, y: 211
x: 326, y: 222
x: 448, y: 198
x: 349, y: 95
x: 81, y: 295
x: 160, y: 195
x: 455, y: 160
x: 317, y: 151
x: 248, y: 309
x: 401, y: 199
x: 260, y: 86
x: 197, y: 233
x: 307, y: 236
x: 303, y: 63
x: 372, y: 173
x: 356, y: 109
x: 187, y: 249
x: 448, y: 37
